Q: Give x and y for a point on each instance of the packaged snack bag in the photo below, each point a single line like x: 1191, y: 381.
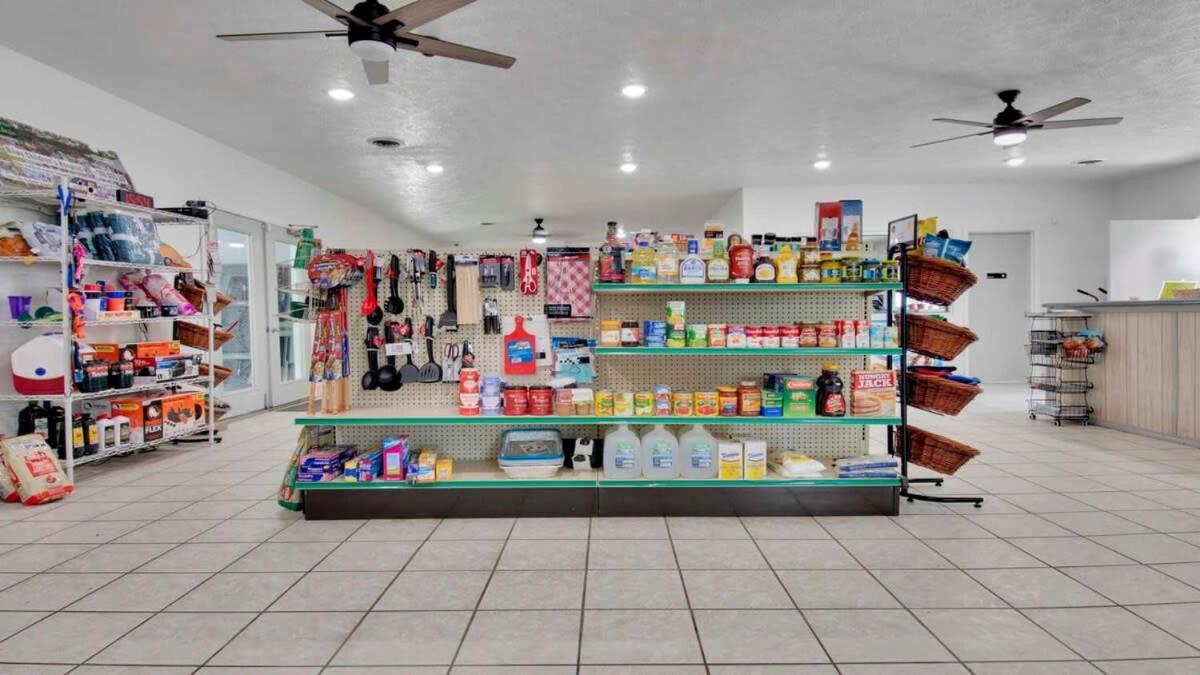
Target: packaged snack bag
x: 34, y: 467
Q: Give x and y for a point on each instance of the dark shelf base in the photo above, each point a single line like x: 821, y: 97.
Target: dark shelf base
x: 604, y: 501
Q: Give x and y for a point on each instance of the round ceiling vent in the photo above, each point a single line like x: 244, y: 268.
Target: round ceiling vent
x: 386, y: 142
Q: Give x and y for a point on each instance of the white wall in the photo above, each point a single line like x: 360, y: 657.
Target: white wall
x: 1145, y: 253
x: 730, y: 214
x: 173, y: 163
x: 1166, y: 194
x: 1069, y: 222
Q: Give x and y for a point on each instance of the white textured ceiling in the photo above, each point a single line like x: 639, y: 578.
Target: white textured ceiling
x: 741, y: 92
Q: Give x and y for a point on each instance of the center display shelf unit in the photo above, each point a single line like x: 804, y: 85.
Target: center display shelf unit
x: 1058, y: 383
x: 62, y: 203
x: 427, y: 413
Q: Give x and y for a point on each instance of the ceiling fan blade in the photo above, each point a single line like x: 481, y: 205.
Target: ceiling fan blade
x: 377, y: 71
x: 421, y: 12
x: 985, y: 125
x: 435, y: 47
x: 288, y: 35
x: 955, y: 138
x: 1071, y: 124
x: 334, y: 12
x: 1055, y: 110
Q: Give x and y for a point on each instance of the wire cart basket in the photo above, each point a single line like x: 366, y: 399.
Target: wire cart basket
x: 1058, y: 383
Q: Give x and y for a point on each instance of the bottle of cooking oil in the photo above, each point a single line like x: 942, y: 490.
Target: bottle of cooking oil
x: 644, y: 264
x: 667, y: 259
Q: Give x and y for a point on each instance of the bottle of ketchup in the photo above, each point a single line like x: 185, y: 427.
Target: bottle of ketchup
x: 741, y: 259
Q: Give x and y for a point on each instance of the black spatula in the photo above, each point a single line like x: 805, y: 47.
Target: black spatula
x: 449, y: 318
x: 431, y: 371
x: 409, y: 372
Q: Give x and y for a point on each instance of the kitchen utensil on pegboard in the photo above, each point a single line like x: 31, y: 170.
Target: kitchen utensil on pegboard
x: 450, y: 362
x: 370, y: 305
x: 468, y: 303
x: 530, y: 261
x: 431, y: 371
x: 520, y: 350
x: 370, y: 379
x: 449, y: 319
x: 395, y: 305
x: 409, y: 372
x: 388, y: 376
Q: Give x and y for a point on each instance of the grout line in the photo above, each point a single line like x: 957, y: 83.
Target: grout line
x: 478, y: 601
x: 687, y: 597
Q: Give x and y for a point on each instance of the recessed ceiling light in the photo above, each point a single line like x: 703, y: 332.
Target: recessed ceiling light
x: 1008, y: 136
x: 341, y: 94
x: 1015, y: 160
x: 822, y: 164
x: 434, y: 169
x: 634, y: 90
x: 628, y: 167
x: 1089, y: 162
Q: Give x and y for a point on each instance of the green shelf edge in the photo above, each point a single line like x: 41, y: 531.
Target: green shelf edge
x: 601, y: 483
x: 743, y: 351
x: 551, y: 420
x: 746, y: 288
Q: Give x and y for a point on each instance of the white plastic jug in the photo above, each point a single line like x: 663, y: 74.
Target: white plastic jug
x: 660, y: 454
x: 622, y: 453
x: 698, y: 452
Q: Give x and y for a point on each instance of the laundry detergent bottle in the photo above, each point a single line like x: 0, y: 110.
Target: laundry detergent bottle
x: 698, y: 452
x: 622, y: 453
x: 660, y: 454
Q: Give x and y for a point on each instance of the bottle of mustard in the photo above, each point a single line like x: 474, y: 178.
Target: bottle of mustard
x: 786, y: 266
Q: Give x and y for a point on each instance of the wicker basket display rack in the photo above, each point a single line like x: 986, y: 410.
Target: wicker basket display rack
x: 936, y: 280
x: 196, y: 335
x: 220, y: 374
x: 194, y: 292
x: 937, y: 339
x: 937, y: 453
x: 939, y: 394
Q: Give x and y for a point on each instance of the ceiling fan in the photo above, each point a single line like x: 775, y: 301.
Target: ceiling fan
x: 1011, y: 126
x: 374, y: 33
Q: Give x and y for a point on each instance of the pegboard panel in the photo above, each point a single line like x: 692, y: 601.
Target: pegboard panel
x: 613, y: 372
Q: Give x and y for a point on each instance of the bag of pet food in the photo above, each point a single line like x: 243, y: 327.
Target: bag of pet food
x: 34, y: 468
x: 8, y: 484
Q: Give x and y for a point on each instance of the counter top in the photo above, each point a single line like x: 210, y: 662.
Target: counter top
x: 1157, y: 305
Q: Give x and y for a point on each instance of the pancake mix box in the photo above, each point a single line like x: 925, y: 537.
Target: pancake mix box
x: 873, y: 393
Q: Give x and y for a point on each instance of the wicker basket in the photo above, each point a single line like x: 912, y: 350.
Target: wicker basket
x: 936, y: 280
x: 937, y: 339
x: 937, y: 453
x: 939, y: 394
x: 194, y: 292
x: 196, y: 335
x: 219, y: 375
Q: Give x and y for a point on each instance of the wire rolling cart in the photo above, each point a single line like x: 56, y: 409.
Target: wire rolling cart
x: 1058, y: 383
x: 898, y: 436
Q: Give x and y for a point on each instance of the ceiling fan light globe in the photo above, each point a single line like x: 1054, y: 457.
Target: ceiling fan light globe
x: 372, y: 50
x: 1008, y: 137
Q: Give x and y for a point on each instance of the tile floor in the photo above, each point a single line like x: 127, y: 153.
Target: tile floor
x: 1084, y: 559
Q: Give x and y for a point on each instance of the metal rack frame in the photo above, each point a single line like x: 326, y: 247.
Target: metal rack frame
x: 1051, y: 394
x: 897, y: 436
x: 64, y: 202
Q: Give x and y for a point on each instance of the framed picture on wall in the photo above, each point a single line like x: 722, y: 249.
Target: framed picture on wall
x: 902, y: 232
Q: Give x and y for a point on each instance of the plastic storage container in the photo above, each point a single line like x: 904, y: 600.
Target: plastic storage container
x: 622, y: 453
x: 698, y: 450
x: 531, y: 453
x: 660, y: 454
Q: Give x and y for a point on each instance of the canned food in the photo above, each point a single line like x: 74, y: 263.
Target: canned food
x: 623, y: 404
x: 564, y: 400
x: 604, y: 403
x: 749, y: 399
x: 808, y: 335
x: 889, y: 271
x: 789, y: 337
x: 852, y: 270
x: 643, y: 403
x: 735, y: 337
x: 704, y: 404
x: 662, y: 399
x: 610, y: 333
x: 516, y: 400
x: 631, y: 334
x: 541, y: 400
x: 827, y: 336
x: 831, y: 271
x: 716, y: 335
x: 772, y: 403
x: 754, y: 337
x: 727, y: 401
x: 770, y: 337
x: 810, y: 274
x: 697, y: 335
x: 681, y: 403
x: 676, y: 341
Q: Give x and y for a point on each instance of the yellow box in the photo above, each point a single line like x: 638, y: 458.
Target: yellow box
x: 729, y: 454
x: 754, y: 460
x: 444, y: 468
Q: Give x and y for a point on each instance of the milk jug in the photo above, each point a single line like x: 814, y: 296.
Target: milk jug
x: 622, y: 453
x: 660, y: 454
x: 698, y: 454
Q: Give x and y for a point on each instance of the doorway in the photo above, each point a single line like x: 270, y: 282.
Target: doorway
x: 998, y: 304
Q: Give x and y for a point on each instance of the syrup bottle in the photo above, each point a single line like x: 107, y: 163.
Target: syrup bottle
x: 831, y: 400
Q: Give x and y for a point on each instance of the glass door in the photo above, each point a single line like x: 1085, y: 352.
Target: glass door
x: 240, y: 244
x: 290, y: 331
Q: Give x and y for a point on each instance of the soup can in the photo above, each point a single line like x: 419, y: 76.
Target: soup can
x: 604, y: 403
